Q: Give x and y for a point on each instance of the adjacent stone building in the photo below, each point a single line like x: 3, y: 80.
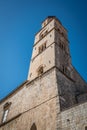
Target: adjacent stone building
x: 55, y: 96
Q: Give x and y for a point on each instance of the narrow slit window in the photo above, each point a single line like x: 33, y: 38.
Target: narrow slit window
x: 44, y: 46
x: 5, y: 111
x: 40, y: 49
x: 5, y: 115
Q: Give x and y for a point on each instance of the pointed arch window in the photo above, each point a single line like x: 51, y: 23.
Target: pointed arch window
x: 33, y: 127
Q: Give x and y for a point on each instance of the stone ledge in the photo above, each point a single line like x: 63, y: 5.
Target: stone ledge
x: 2, y: 124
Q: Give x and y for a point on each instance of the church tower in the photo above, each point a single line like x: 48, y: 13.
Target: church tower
x: 51, y: 52
x: 50, y: 49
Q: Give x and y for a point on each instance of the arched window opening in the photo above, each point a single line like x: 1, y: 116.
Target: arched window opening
x: 42, y: 34
x: 5, y: 112
x: 40, y: 70
x: 86, y: 128
x: 42, y: 47
x: 33, y: 127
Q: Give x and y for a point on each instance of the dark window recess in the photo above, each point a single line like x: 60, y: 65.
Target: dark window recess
x: 46, y: 32
x: 33, y: 127
x: 40, y: 70
x: 65, y: 70
x: 5, y: 112
x: 62, y: 33
x: 43, y: 34
x: 58, y: 30
x: 61, y: 45
x: 42, y: 47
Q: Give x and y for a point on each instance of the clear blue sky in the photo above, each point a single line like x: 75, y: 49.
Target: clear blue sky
x: 19, y: 22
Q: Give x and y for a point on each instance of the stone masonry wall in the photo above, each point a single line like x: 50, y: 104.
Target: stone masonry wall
x: 36, y: 102
x: 70, y: 91
x: 66, y: 90
x: 42, y: 116
x: 74, y: 118
x: 80, y: 82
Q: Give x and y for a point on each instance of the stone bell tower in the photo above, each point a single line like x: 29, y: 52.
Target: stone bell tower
x: 50, y: 49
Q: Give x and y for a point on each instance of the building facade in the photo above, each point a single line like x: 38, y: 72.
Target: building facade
x: 55, y: 96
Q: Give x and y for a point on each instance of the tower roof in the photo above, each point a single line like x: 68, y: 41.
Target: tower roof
x: 52, y: 17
